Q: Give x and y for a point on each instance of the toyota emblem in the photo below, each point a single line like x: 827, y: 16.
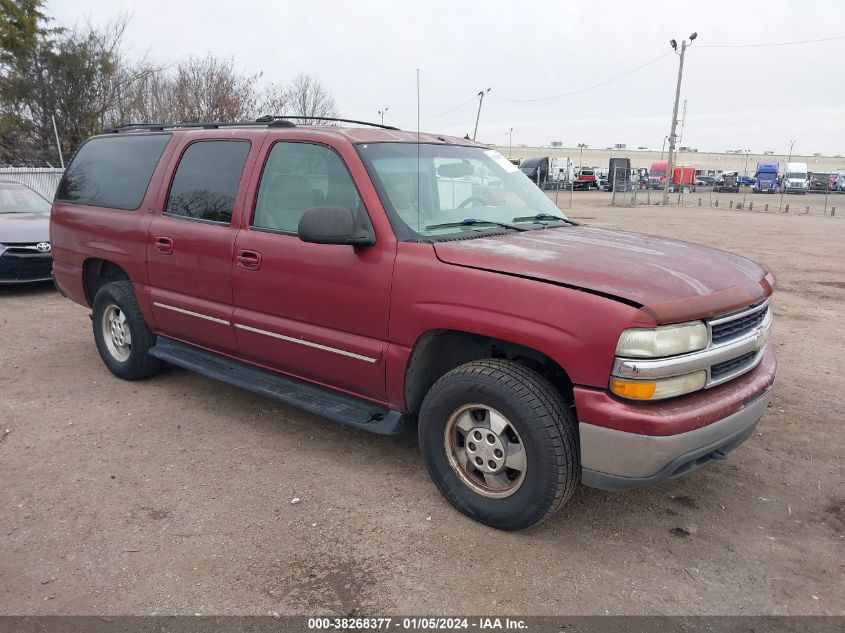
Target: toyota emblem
x: 43, y: 247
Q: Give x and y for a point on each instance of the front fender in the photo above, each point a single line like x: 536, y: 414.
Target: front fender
x: 576, y: 329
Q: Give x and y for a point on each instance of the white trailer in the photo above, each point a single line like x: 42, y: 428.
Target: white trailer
x: 561, y: 170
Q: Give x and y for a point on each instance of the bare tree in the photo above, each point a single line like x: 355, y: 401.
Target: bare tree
x: 274, y: 99
x: 83, y: 78
x: 307, y: 97
x: 198, y: 89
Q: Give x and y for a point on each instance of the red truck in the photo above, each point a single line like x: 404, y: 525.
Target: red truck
x: 388, y: 280
x: 681, y: 174
x: 586, y: 180
x: 657, y: 174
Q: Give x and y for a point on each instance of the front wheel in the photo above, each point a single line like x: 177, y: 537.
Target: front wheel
x: 500, y: 443
x: 121, y: 334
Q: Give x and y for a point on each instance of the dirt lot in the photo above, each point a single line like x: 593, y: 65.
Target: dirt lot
x: 173, y: 495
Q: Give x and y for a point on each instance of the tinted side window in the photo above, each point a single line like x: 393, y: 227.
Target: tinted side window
x: 299, y: 176
x: 206, y: 180
x: 113, y: 171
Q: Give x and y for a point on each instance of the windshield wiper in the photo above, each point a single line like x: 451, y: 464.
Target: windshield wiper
x: 542, y: 216
x: 472, y: 222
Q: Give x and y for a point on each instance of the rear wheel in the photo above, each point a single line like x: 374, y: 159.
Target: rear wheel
x: 121, y: 334
x: 500, y: 443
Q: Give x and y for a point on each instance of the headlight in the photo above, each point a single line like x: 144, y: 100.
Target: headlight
x: 660, y: 388
x: 665, y: 340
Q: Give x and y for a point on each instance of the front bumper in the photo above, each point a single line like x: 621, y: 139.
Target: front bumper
x: 641, y: 460
x: 627, y: 445
x: 25, y: 268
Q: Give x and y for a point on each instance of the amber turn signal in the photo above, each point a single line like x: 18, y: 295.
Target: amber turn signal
x: 635, y: 389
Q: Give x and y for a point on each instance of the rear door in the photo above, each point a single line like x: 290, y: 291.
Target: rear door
x: 191, y: 239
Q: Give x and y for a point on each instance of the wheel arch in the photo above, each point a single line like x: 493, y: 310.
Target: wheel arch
x: 436, y: 352
x: 98, y: 272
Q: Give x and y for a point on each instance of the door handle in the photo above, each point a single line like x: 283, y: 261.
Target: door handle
x: 249, y: 260
x: 164, y: 245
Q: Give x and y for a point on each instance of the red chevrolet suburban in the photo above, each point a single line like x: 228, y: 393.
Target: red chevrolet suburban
x: 386, y: 280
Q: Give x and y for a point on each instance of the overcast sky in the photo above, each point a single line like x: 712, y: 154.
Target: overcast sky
x: 367, y: 53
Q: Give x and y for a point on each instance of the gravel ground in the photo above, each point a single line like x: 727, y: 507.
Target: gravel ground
x: 174, y: 495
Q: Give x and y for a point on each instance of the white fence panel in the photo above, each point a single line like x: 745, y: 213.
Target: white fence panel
x: 43, y: 180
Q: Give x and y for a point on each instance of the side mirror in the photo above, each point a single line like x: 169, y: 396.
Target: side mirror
x: 333, y: 225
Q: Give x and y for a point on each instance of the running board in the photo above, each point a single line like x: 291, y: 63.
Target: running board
x: 339, y: 407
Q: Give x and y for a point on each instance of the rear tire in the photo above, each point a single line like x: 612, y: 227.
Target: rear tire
x: 121, y: 334
x: 526, y: 463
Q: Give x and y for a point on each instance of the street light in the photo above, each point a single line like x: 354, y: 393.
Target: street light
x: 581, y: 147
x: 481, y: 94
x: 510, y: 142
x: 381, y: 114
x: 669, y: 165
x: 783, y: 178
x: 745, y: 173
x: 663, y: 147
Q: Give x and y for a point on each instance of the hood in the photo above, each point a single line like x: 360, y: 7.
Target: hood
x: 24, y: 228
x: 669, y: 280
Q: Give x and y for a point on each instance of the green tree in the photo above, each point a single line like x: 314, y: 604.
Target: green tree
x: 24, y: 35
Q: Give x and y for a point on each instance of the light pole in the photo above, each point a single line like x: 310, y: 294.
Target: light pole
x: 663, y: 147
x: 669, y: 165
x: 510, y: 142
x: 581, y: 147
x: 783, y: 178
x: 481, y: 94
x: 745, y: 173
x: 381, y: 114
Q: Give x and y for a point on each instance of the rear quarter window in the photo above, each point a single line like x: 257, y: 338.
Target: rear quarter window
x: 112, y: 171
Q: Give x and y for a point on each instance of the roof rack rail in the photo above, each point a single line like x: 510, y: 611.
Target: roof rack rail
x: 128, y: 127
x: 269, y: 120
x: 276, y: 119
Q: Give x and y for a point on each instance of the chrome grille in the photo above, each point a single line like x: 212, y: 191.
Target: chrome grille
x: 731, y: 327
x: 724, y: 368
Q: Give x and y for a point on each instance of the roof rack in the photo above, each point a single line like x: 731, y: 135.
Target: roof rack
x: 268, y: 120
x: 129, y: 127
x: 276, y: 119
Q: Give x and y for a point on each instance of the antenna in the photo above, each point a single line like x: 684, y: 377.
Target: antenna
x: 418, y: 157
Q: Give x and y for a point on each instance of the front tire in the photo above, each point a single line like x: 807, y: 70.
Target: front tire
x: 500, y: 443
x: 121, y: 334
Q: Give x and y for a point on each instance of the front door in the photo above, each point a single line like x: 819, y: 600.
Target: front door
x: 191, y: 241
x: 316, y: 311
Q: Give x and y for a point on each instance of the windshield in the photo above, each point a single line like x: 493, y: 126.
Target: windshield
x: 454, y: 185
x: 796, y: 175
x: 766, y: 175
x: 658, y: 172
x: 19, y: 199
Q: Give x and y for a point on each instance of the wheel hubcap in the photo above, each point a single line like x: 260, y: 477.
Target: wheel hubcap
x: 116, y: 333
x: 485, y: 451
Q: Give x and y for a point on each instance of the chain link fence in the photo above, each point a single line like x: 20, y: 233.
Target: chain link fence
x: 44, y: 181
x: 628, y: 188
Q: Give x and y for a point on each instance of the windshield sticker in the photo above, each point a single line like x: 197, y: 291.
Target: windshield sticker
x: 503, y: 162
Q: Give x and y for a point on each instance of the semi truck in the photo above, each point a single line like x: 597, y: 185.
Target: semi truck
x: 536, y: 168
x: 561, y: 171
x: 657, y: 174
x: 766, y: 178
x: 619, y: 174
x: 795, y: 178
